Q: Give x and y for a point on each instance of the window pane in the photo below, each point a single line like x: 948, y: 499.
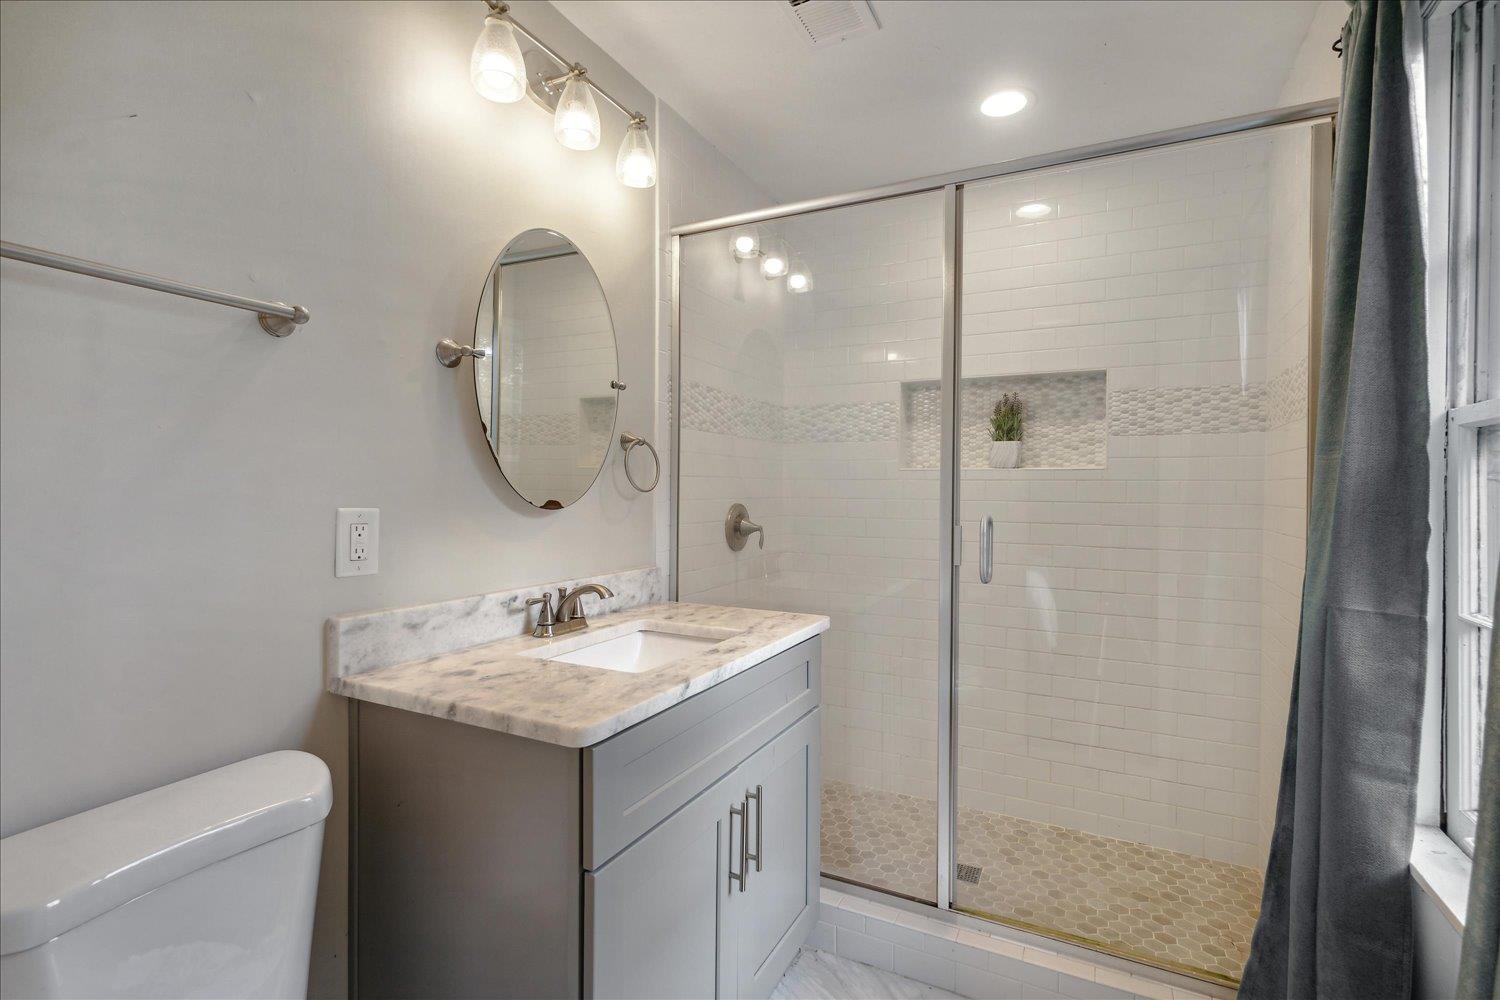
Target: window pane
x: 1476, y: 738
x: 1487, y: 523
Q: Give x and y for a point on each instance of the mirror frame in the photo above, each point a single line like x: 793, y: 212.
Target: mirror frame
x: 499, y: 309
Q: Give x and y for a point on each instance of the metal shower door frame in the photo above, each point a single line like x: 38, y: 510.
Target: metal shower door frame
x: 950, y: 540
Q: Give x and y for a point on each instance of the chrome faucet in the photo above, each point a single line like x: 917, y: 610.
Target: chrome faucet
x: 569, y: 615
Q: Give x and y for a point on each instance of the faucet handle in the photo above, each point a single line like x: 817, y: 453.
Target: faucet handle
x: 544, y: 616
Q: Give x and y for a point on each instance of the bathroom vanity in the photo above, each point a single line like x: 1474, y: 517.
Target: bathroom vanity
x: 629, y: 810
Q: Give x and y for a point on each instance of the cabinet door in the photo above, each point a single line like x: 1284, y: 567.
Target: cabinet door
x: 779, y: 907
x: 657, y: 916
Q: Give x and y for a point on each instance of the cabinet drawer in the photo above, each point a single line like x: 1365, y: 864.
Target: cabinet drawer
x: 636, y: 779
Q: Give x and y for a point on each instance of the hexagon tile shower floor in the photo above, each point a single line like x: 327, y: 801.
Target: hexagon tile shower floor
x: 1177, y: 911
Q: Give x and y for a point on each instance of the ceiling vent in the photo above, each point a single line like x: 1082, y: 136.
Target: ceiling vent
x: 828, y: 22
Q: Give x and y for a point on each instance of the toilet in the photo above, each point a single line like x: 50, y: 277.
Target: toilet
x: 202, y: 888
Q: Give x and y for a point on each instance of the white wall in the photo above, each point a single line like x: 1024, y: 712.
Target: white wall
x: 1316, y: 72
x: 168, y: 473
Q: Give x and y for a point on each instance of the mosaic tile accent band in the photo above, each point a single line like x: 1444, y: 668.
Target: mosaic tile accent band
x: 1066, y: 423
x: 1193, y: 409
x: 1286, y: 399
x: 719, y: 411
x: 1174, y: 910
x: 845, y: 422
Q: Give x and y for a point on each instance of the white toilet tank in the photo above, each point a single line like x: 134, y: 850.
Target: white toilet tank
x: 203, y: 888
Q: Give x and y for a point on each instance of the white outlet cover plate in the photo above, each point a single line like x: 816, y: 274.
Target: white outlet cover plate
x: 342, y: 564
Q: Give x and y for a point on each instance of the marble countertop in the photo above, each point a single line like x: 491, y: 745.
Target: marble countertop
x: 499, y: 686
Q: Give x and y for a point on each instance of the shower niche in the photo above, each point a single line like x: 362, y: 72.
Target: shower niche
x: 1063, y: 420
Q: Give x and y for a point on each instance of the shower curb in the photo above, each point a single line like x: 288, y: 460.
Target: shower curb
x: 977, y: 964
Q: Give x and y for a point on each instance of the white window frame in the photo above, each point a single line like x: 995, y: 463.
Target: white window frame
x: 1461, y: 43
x: 1467, y: 621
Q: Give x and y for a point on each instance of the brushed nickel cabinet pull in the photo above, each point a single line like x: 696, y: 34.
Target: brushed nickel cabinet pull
x: 738, y: 876
x: 760, y: 810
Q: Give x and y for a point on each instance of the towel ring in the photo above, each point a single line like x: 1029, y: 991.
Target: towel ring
x: 629, y: 441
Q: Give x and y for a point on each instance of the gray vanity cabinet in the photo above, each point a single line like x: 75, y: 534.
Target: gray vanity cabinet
x: 658, y: 917
x: 678, y: 858
x: 671, y: 915
x: 779, y: 906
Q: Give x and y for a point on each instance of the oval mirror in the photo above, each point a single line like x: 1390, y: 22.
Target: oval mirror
x: 546, y: 385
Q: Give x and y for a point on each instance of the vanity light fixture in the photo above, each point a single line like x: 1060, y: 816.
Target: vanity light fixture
x: 1004, y: 103
x: 498, y: 72
x: 496, y: 68
x: 1034, y: 210
x: 576, y: 122
x: 636, y: 164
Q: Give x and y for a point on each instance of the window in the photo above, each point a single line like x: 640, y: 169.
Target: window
x: 1471, y: 529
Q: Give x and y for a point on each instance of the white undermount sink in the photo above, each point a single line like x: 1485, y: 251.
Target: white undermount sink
x: 637, y: 651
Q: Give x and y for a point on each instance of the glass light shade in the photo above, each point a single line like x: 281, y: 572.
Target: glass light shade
x: 636, y: 164
x: 746, y: 245
x: 797, y: 279
x: 1035, y: 210
x: 496, y: 68
x: 576, y: 124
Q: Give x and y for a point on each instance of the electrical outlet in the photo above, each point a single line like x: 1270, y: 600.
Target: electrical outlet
x: 356, y: 541
x: 359, y: 541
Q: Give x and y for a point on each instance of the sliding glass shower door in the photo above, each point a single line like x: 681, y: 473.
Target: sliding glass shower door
x: 1037, y: 445
x: 791, y: 403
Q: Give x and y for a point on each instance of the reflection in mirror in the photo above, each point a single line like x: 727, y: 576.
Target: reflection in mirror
x: 545, y: 387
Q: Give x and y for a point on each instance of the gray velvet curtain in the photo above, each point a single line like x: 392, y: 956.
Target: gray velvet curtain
x: 1336, y: 912
x: 1477, y: 978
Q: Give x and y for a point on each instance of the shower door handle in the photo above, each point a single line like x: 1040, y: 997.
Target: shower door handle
x: 986, y: 548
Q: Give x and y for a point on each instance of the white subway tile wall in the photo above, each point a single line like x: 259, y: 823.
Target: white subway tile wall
x: 1112, y: 674
x: 1284, y: 540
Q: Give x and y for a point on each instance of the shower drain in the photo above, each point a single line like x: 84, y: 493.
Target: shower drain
x: 969, y: 874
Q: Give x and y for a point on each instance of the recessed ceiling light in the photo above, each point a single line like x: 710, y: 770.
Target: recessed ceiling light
x: 1035, y: 210
x: 1004, y: 103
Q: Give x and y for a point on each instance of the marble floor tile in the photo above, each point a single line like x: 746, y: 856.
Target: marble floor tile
x: 1174, y: 910
x: 819, y: 975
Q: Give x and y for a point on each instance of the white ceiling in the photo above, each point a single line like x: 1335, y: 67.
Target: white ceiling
x: 904, y: 102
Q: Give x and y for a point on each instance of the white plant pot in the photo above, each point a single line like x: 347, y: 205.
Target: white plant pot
x: 1005, y: 454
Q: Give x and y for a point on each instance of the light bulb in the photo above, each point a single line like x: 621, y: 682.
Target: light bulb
x: 746, y: 246
x: 636, y: 164
x: 1004, y: 103
x: 576, y: 123
x: 1035, y: 210
x: 773, y: 265
x: 496, y: 68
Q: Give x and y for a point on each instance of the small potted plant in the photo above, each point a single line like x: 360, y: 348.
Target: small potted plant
x: 1005, y: 432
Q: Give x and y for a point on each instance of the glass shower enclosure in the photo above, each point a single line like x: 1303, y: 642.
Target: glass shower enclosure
x: 1056, y: 682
